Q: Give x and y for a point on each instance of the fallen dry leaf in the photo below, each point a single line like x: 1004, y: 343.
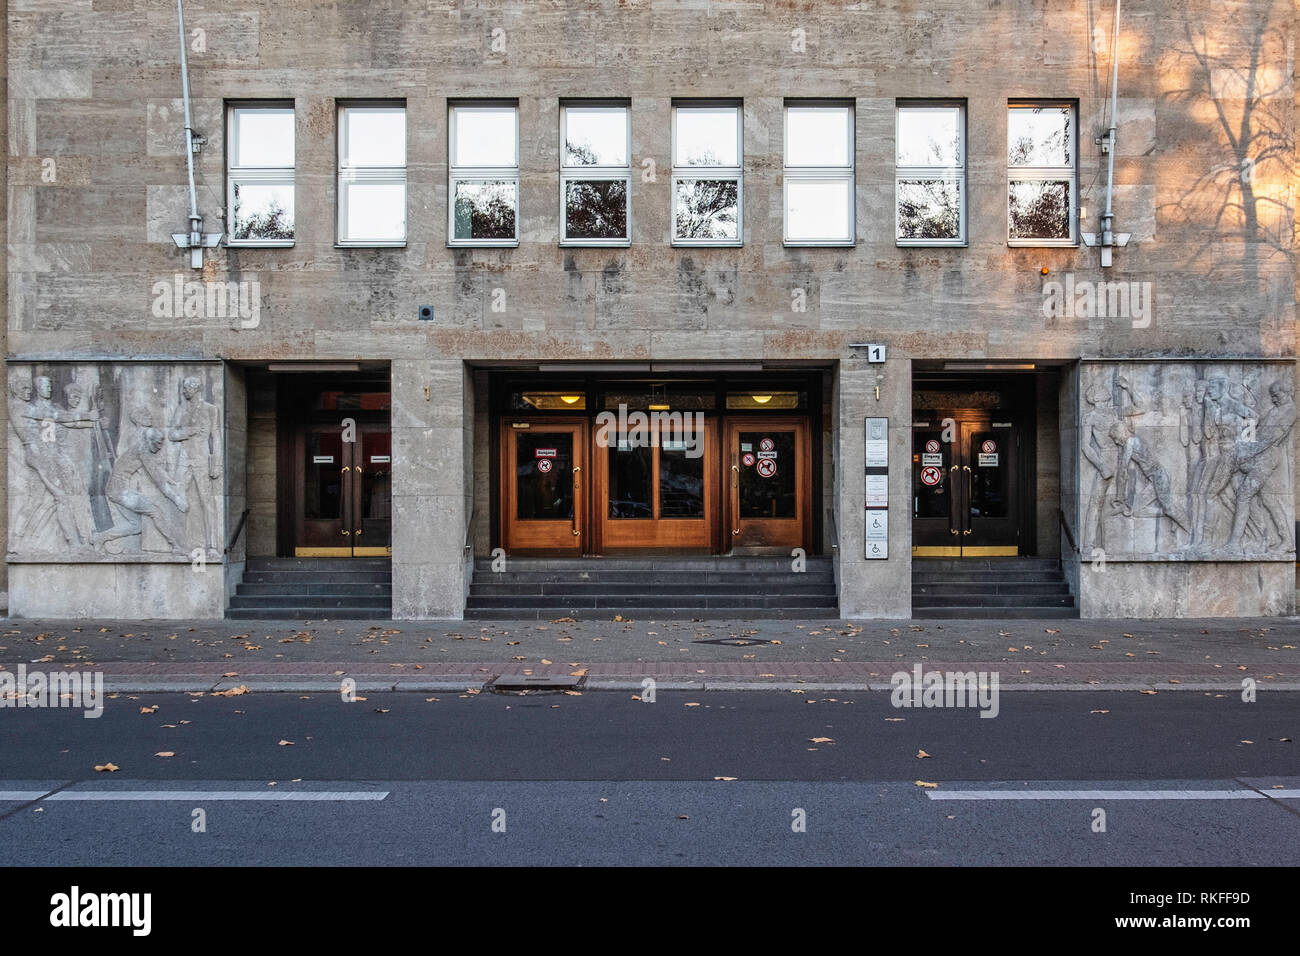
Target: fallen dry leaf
x: 724, y: 778
x: 821, y: 740
x: 110, y: 767
x: 926, y: 784
x: 233, y: 692
x: 921, y: 755
x: 148, y: 710
x: 165, y: 753
x: 286, y: 743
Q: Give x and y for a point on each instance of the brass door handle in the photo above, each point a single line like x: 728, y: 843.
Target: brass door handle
x: 735, y: 531
x: 347, y: 532
x: 952, y: 530
x: 346, y: 468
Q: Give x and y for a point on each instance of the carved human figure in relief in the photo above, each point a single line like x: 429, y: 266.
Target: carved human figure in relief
x: 195, y: 427
x: 1225, y: 417
x: 1095, y: 446
x: 139, y: 461
x: 1135, y: 451
x: 65, y: 496
x: 1257, y: 460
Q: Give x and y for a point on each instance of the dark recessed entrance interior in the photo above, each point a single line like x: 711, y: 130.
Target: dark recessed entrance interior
x: 974, y: 460
x: 334, y: 465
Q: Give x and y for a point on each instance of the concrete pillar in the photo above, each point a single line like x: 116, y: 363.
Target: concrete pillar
x: 876, y: 588
x: 432, y: 401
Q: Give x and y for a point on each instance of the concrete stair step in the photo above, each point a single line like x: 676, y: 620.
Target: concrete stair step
x: 659, y: 614
x: 692, y: 563
x: 991, y: 587
x: 656, y: 577
x: 995, y: 613
x: 314, y: 589
x: 739, y: 603
x: 1009, y: 565
x: 305, y: 614
x: 991, y: 600
x: 319, y: 564
x: 978, y: 577
x: 318, y: 577
x: 603, y: 588
x: 377, y: 603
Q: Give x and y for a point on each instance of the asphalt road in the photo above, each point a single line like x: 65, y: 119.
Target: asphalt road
x: 600, y: 778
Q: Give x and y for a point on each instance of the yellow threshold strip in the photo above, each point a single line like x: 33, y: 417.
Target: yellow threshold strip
x: 977, y: 551
x: 342, y: 552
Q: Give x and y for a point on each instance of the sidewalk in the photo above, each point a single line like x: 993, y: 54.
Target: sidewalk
x: 618, y: 654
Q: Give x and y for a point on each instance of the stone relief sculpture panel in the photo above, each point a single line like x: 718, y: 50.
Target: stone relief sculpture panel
x: 1187, y: 461
x: 115, y: 462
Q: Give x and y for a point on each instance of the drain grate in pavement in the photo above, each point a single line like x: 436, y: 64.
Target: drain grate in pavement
x: 517, y: 682
x: 734, y: 641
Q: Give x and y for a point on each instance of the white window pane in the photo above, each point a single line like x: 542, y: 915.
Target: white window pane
x: 1040, y: 136
x: 707, y: 209
x: 484, y: 137
x: 263, y: 138
x: 374, y: 137
x: 929, y: 209
x: 262, y: 211
x: 374, y: 212
x: 484, y: 209
x: 595, y: 136
x: 1039, y: 210
x: 929, y: 137
x: 595, y: 209
x: 706, y: 137
x: 817, y: 136
x: 817, y: 210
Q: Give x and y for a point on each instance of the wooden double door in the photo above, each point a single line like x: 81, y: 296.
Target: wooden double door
x: 572, y: 486
x: 966, y: 486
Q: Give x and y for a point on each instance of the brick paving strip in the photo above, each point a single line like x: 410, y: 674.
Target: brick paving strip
x: 448, y: 676
x: 695, y: 655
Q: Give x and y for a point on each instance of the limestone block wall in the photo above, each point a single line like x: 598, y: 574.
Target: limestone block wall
x: 1186, y: 488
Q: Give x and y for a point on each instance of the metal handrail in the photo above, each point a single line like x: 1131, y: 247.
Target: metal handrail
x: 239, y: 529
x: 1065, y: 526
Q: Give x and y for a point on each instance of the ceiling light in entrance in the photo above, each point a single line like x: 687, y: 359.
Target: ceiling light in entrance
x: 769, y: 400
x: 553, y: 401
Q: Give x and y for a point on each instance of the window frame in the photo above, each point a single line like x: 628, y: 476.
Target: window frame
x: 734, y: 173
x: 846, y: 173
x: 457, y: 174
x: 375, y: 175
x: 1046, y: 173
x: 259, y: 175
x: 955, y: 174
x: 595, y: 173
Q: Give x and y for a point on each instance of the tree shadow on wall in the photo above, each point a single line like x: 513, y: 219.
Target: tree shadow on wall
x: 1238, y: 93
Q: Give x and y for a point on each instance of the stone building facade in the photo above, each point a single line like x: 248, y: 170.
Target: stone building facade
x: 168, y: 425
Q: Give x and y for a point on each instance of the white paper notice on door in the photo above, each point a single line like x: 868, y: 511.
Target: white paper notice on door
x: 322, y: 459
x: 988, y: 461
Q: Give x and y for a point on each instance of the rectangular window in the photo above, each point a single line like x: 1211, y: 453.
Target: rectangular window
x: 819, y: 191
x: 707, y: 174
x: 930, y: 174
x: 483, y: 174
x: 372, y: 174
x: 1042, y: 189
x: 259, y: 174
x: 595, y: 174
